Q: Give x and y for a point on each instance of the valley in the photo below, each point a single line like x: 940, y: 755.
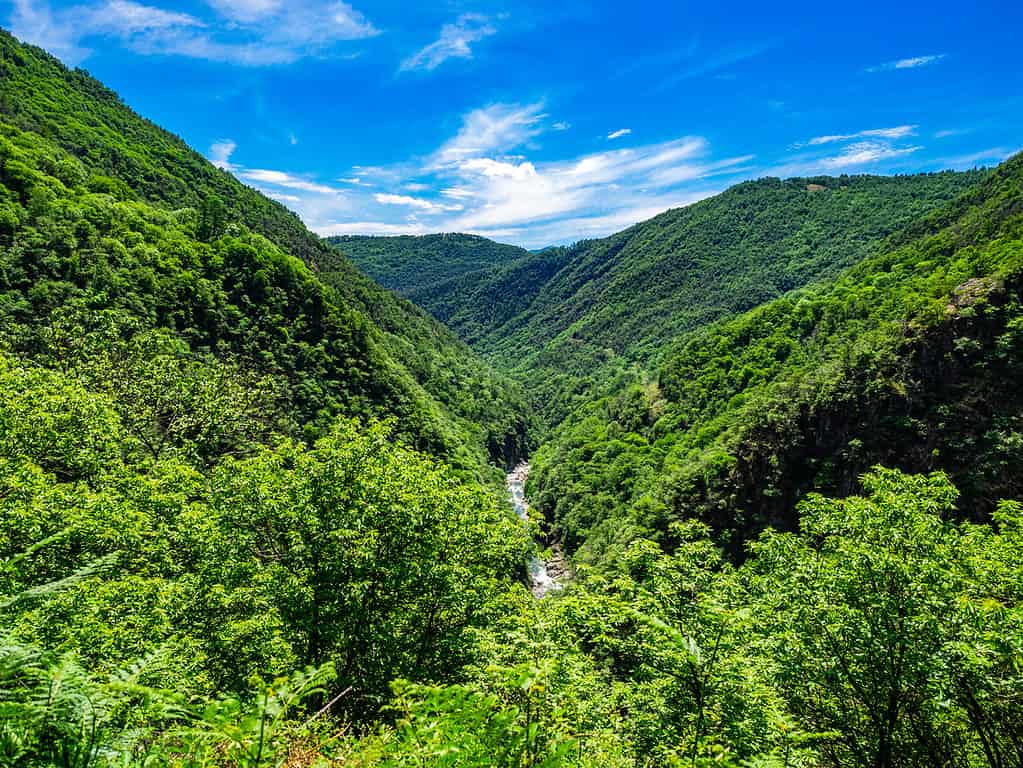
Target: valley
x: 739, y: 485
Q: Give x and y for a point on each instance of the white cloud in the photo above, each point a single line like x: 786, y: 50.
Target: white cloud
x: 897, y: 132
x: 498, y: 128
x: 35, y: 23
x: 253, y: 33
x: 856, y: 156
x: 286, y: 180
x: 865, y: 153
x: 414, y: 202
x: 561, y: 126
x: 497, y: 169
x: 458, y: 193
x: 245, y: 11
x: 280, y: 197
x: 619, y: 133
x: 368, y: 228
x: 679, y: 174
x: 220, y: 153
x: 474, y: 182
x: 709, y: 64
x: 124, y: 17
x: 580, y: 227
x: 523, y: 194
x: 316, y: 22
x: 454, y: 43
x: 983, y: 157
x: 909, y: 63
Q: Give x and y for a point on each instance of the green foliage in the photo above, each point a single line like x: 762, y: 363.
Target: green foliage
x: 907, y: 358
x: 111, y: 228
x: 880, y: 634
x: 895, y: 629
x: 570, y: 322
x: 357, y: 555
x: 415, y: 267
x: 457, y: 726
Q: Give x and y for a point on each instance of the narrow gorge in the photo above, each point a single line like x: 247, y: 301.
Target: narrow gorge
x: 544, y: 575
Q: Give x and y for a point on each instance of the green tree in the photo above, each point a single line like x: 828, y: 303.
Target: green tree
x: 881, y: 615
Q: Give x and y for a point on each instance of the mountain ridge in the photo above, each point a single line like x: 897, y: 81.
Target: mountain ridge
x: 76, y: 135
x: 566, y: 319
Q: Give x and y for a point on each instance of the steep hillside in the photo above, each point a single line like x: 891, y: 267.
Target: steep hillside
x: 910, y: 358
x: 412, y: 266
x: 476, y: 303
x: 111, y: 226
x: 568, y: 321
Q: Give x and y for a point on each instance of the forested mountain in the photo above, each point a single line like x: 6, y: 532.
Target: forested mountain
x: 413, y: 266
x: 226, y: 456
x: 247, y: 519
x: 566, y: 321
x: 910, y: 358
x: 114, y: 227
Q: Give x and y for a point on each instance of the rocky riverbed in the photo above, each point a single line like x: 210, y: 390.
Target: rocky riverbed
x: 544, y: 575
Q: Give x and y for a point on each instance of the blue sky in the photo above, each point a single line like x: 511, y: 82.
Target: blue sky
x: 546, y: 122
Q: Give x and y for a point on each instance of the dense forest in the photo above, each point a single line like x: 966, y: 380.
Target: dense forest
x: 112, y: 226
x: 417, y: 266
x: 250, y: 511
x: 908, y: 359
x: 568, y: 321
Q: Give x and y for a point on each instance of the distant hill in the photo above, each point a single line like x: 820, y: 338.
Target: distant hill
x: 412, y: 266
x: 569, y: 321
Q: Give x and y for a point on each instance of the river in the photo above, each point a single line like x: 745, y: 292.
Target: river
x: 543, y: 576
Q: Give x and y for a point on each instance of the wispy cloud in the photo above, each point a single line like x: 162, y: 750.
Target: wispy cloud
x: 506, y: 195
x: 618, y: 134
x: 286, y: 180
x: 281, y: 197
x: 220, y: 153
x: 455, y: 42
x: 497, y: 128
x: 989, y: 156
x: 863, y: 153
x: 247, y: 32
x: 909, y: 63
x: 474, y: 183
x: 329, y: 228
x: 897, y: 132
x: 303, y: 193
x: 414, y: 202
x: 246, y: 11
x: 34, y: 22
x: 711, y: 63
